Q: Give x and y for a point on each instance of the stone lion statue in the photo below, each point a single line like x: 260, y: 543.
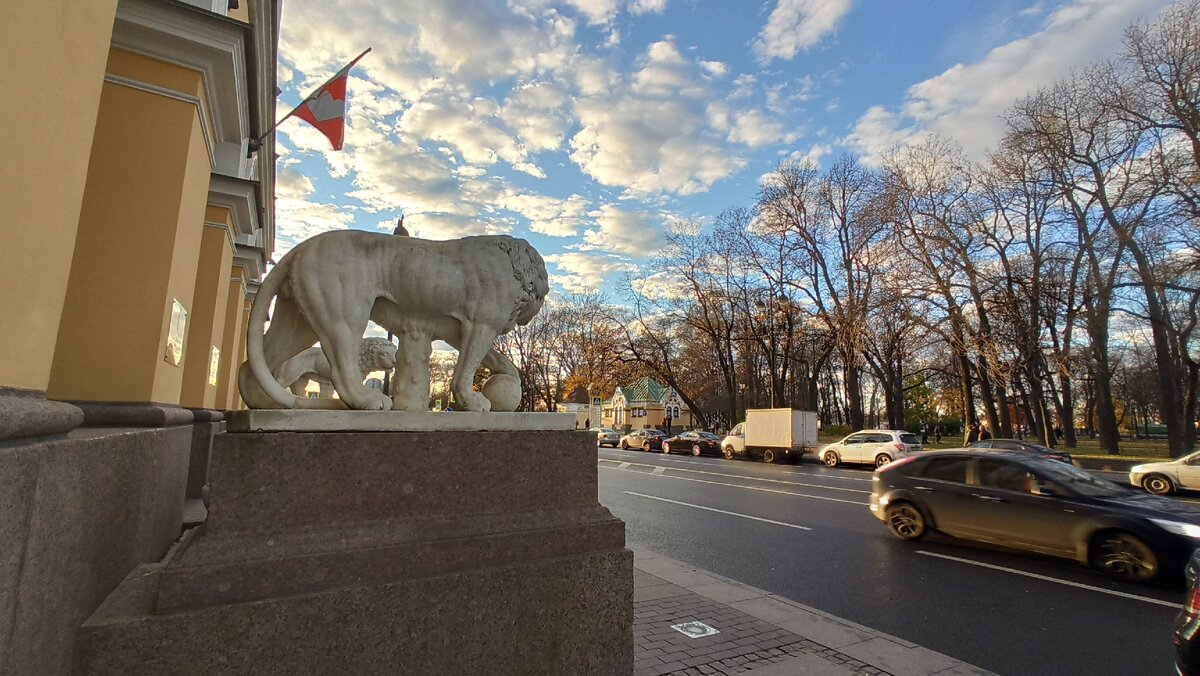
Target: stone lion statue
x: 465, y: 292
x: 375, y: 354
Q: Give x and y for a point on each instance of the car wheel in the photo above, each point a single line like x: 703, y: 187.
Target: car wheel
x: 728, y: 451
x: 1158, y: 484
x: 666, y: 449
x: 1123, y: 555
x: 905, y: 521
x: 769, y: 455
x: 882, y: 459
x: 830, y: 459
x: 696, y: 450
x: 646, y: 447
x: 624, y: 446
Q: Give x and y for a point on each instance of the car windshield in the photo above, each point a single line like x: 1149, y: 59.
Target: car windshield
x: 909, y: 439
x: 1078, y: 480
x: 710, y: 435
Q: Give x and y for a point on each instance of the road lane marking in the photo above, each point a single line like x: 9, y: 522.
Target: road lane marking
x: 719, y: 511
x: 1055, y: 580
x: 748, y: 488
x: 623, y: 465
x: 659, y: 470
x: 838, y: 477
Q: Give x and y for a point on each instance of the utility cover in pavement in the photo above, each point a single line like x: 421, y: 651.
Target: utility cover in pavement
x: 694, y: 629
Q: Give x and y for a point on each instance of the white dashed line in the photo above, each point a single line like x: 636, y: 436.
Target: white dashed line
x: 1055, y: 580
x: 719, y: 511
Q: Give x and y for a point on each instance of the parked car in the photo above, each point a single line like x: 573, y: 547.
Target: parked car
x: 775, y: 434
x: 876, y: 447
x: 1024, y: 447
x: 647, y: 440
x: 1027, y: 502
x: 1187, y: 622
x: 695, y: 442
x: 606, y: 436
x: 1164, y: 478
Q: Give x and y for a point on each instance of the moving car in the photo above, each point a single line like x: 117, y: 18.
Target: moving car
x: 606, y: 436
x: 646, y: 439
x: 876, y: 447
x: 694, y: 442
x: 1187, y: 622
x: 1023, y: 446
x: 1164, y: 478
x: 1026, y: 502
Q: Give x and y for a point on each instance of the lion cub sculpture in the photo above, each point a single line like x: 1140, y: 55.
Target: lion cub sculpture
x: 376, y: 354
x: 466, y: 292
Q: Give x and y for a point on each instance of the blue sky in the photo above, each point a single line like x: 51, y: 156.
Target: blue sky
x: 588, y: 126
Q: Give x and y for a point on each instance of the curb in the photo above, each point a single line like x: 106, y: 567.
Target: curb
x: 883, y: 651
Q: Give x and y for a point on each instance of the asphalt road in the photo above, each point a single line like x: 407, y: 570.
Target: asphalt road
x: 805, y: 532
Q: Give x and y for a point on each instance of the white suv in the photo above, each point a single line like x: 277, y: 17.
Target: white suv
x: 875, y: 447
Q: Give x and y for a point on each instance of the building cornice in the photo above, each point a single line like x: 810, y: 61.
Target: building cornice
x: 194, y: 38
x: 240, y: 196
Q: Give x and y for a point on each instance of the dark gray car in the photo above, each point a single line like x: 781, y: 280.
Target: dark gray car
x: 1027, y: 502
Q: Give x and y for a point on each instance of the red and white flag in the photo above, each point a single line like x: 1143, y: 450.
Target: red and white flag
x: 325, y: 108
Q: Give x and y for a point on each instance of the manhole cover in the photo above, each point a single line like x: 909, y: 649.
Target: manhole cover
x: 694, y: 629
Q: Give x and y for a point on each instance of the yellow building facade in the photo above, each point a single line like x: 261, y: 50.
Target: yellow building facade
x: 138, y: 221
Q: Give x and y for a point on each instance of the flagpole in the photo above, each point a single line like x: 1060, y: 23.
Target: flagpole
x: 256, y: 143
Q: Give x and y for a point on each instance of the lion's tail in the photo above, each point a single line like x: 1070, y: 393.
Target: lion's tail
x: 256, y: 327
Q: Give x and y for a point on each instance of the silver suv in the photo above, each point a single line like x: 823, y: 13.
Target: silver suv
x: 874, y: 447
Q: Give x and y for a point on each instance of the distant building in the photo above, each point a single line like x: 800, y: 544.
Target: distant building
x: 645, y: 404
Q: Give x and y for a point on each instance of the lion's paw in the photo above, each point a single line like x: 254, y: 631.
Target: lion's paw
x: 374, y: 400
x: 474, y: 401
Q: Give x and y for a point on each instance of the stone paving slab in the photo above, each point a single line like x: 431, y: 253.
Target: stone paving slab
x: 759, y: 633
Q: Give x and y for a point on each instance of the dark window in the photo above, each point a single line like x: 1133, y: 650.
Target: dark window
x: 1007, y: 445
x: 981, y: 444
x: 947, y: 469
x: 880, y: 438
x: 1006, y: 476
x: 858, y: 439
x: 909, y: 439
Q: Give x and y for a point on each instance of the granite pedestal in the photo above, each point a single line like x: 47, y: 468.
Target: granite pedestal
x: 383, y: 552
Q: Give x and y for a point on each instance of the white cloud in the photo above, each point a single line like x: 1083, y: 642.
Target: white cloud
x: 630, y: 233
x: 715, y: 68
x: 537, y: 112
x: 647, y: 6
x: 582, y: 272
x: 653, y: 136
x: 549, y: 215
x: 813, y: 154
x: 965, y: 103
x: 755, y: 129
x: 796, y: 25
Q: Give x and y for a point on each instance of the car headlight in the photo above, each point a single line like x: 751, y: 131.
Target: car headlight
x: 1183, y: 528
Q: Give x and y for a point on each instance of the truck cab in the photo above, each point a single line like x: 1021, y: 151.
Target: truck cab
x: 734, y: 443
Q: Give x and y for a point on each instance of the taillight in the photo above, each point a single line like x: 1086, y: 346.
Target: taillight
x: 901, y: 447
x: 1191, y: 605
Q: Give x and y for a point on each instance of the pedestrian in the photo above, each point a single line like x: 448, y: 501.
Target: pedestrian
x: 937, y: 434
x: 924, y: 432
x: 972, y: 434
x: 984, y: 433
x: 587, y: 423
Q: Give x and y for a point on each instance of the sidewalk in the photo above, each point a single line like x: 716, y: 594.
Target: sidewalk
x: 757, y: 632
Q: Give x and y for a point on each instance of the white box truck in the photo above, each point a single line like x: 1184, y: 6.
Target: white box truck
x: 776, y: 434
